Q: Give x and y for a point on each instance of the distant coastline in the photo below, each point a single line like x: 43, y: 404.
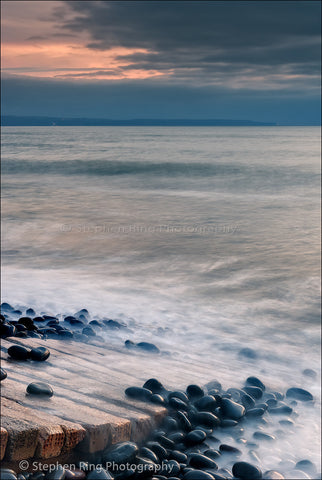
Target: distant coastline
x: 35, y: 121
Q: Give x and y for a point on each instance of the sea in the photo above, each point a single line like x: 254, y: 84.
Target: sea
x: 206, y: 240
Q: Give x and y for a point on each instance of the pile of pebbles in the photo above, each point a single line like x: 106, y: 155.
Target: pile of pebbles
x: 187, y: 444
x: 78, y: 327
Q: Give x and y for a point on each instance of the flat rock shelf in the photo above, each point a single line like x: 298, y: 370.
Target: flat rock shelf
x: 88, y: 410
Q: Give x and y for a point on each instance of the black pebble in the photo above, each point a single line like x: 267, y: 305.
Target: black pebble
x: 148, y: 347
x: 223, y: 448
x: 194, y: 392
x: 254, y: 392
x: 206, y: 419
x: 255, y: 382
x: 200, y: 461
x: 121, y: 453
x: 299, y: 394
x: 157, y: 399
x: 7, y: 330
x: 154, y: 385
x: 246, y: 471
x: 39, y: 388
x: 39, y: 354
x: 195, y: 437
x: 138, y: 393
x: 231, y: 409
x: 3, y: 374
x: 19, y: 352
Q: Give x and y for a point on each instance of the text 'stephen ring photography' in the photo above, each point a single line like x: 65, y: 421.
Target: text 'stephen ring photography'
x: 160, y: 309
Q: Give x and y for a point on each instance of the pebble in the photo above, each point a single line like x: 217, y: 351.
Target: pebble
x: 148, y: 347
x: 155, y: 398
x: 246, y: 471
x: 273, y: 475
x: 27, y: 322
x: 255, y: 412
x: 255, y: 382
x: 223, y: 448
x: 247, y: 401
x: 282, y: 410
x: 207, y: 403
x: 160, y: 451
x: 154, y: 385
x: 178, y: 456
x: 39, y: 354
x: 299, y: 394
x: 200, y: 461
x: 7, y: 330
x: 178, y: 394
x: 248, y: 353
x: 178, y: 404
x: 231, y: 409
x: 139, y: 393
x: 183, y: 422
x: 263, y: 436
x: 195, y: 437
x: 194, y: 392
x: 121, y: 453
x: 309, y: 373
x: 39, y: 388
x: 3, y: 374
x: 206, y: 419
x: 147, y: 453
x: 7, y: 474
x: 18, y: 352
x: 254, y: 392
x: 89, y: 331
x: 306, y: 466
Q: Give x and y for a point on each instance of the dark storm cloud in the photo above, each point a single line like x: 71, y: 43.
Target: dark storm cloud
x: 200, y: 34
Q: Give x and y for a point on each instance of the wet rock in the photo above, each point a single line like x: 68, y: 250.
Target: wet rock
x: 201, y: 462
x: 195, y: 437
x: 154, y: 385
x: 194, y: 392
x: 255, y: 412
x: 75, y: 474
x: 207, y: 403
x: 299, y: 394
x: 65, y: 334
x: 286, y: 423
x: 138, y: 393
x: 7, y: 474
x: 30, y: 312
x: 271, y: 402
x: 178, y: 456
x: 20, y: 327
x: 129, y: 344
x: 57, y: 474
x: 254, y: 392
x: 306, y: 466
x: 157, y: 399
x: 39, y: 388
x: 21, y: 335
x: 7, y: 330
x: 171, y: 467
x: 231, y: 409
x: 273, y: 475
x: 206, y: 419
x: 177, y: 394
x: 18, y: 352
x: 184, y: 422
x: 3, y: 374
x: 282, y: 410
x: 177, y: 404
x: 39, y: 319
x: 213, y: 454
x: 114, y: 324
x: 308, y: 372
x: 224, y: 448
x: 160, y: 451
x: 170, y: 424
x: 27, y: 322
x: 121, y: 453
x: 39, y: 354
x: 6, y: 307
x: 247, y: 401
x: 246, y: 471
x: 255, y: 382
x: 228, y: 423
x: 177, y: 437
x: 166, y: 442
x: 263, y: 436
x: 99, y: 474
x: 198, y: 475
x: 148, y: 347
x: 213, y: 385
x: 147, y: 453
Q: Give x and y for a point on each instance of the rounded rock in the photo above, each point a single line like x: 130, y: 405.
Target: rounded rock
x: 273, y: 475
x: 39, y: 388
x: 246, y: 471
x: 201, y: 462
x: 3, y: 374
x: 148, y: 347
x: 39, y: 354
x: 154, y: 385
x: 299, y: 394
x: 138, y: 393
x: 195, y: 437
x: 18, y: 352
x: 255, y: 382
x: 121, y: 453
x: 254, y: 392
x: 194, y: 391
x: 206, y: 419
x: 231, y: 409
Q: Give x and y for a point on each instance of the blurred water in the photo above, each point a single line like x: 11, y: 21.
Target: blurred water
x: 206, y: 239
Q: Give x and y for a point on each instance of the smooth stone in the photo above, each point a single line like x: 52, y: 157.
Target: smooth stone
x: 160, y: 451
x: 30, y: 312
x: 170, y: 424
x: 57, y: 474
x: 39, y: 354
x: 213, y: 454
x: 39, y: 388
x: 147, y: 453
x: 255, y: 412
x: 194, y: 391
x: 6, y: 307
x: 299, y: 394
x: 207, y: 403
x: 27, y: 322
x: 154, y: 385
x: 177, y: 404
x: 235, y: 394
x: 7, y: 330
x: 272, y: 475
x: 171, y: 467
x: 53, y: 323
x: 129, y: 344
x: 213, y: 385
x: 178, y: 456
x: 246, y: 471
x: 198, y: 475
x: 255, y: 382
x: 176, y: 437
x: 206, y: 419
x: 223, y: 448
x: 20, y: 327
x: 231, y: 409
x: 75, y: 474
x: 282, y: 410
x: 247, y: 401
x: 177, y: 394
x: 263, y: 436
x: 7, y: 474
x: 99, y: 474
x: 306, y: 466
x: 201, y: 462
x: 18, y: 352
x: 248, y: 353
x: 21, y: 335
x: 195, y: 437
x: 32, y: 334
x: 148, y: 347
x: 271, y: 402
x: 287, y: 422
x: 254, y: 392
x: 3, y: 374
x: 228, y: 423
x: 83, y: 312
x: 155, y: 398
x: 138, y: 393
x: 183, y: 421
x: 121, y: 453
x: 114, y: 324
x: 166, y: 442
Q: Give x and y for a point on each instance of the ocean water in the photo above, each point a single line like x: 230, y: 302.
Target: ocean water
x: 206, y: 240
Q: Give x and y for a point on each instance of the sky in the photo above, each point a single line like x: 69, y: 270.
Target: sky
x: 251, y: 60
